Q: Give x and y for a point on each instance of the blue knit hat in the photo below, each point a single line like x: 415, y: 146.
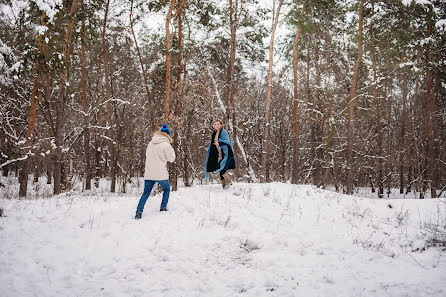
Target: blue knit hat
x: 165, y: 129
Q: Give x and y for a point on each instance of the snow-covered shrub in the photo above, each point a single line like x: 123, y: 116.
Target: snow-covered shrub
x: 249, y: 245
x: 435, y: 229
x: 266, y: 190
x: 371, y: 244
x: 237, y: 191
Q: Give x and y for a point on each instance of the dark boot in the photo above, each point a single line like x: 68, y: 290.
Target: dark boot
x: 163, y: 209
x: 138, y: 215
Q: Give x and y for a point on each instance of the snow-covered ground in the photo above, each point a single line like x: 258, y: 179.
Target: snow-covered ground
x: 250, y: 240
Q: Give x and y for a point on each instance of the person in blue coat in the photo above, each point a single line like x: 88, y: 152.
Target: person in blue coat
x: 220, y: 155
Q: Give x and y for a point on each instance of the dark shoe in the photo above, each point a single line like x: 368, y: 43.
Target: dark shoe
x: 163, y: 209
x: 138, y: 215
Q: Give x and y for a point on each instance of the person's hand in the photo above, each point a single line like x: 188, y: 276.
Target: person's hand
x: 216, y: 144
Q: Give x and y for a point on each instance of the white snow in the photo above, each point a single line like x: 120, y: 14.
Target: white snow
x: 50, y: 7
x: 250, y: 240
x: 441, y: 25
x: 420, y: 2
x: 5, y: 70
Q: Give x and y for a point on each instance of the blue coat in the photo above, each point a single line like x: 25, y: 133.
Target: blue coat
x: 228, y: 161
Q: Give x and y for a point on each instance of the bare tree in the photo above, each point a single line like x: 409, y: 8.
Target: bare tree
x: 110, y: 127
x: 61, y: 101
x: 168, y: 62
x: 233, y: 19
x: 402, y: 142
x: 178, y: 92
x: 295, y: 169
x: 430, y: 153
x: 351, y: 103
x: 32, y: 115
x: 378, y: 114
x: 266, y: 140
x: 146, y: 84
x: 88, y: 176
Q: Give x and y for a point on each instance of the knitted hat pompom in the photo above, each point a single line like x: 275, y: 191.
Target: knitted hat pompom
x: 165, y: 129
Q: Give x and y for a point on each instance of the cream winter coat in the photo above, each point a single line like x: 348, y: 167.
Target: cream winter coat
x: 158, y: 153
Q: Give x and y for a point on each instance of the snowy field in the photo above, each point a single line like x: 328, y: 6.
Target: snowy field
x: 250, y: 240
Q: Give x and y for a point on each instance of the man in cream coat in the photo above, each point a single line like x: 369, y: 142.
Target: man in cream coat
x: 158, y: 153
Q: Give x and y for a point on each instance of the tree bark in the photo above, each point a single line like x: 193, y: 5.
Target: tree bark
x: 32, y: 115
x: 104, y: 57
x: 229, y: 75
x: 230, y: 115
x: 403, y: 133
x: 185, y: 148
x: 178, y: 93
x: 327, y: 156
x: 418, y: 152
x: 266, y: 149
x: 378, y: 116
x: 168, y: 62
x: 351, y: 108
x: 295, y: 54
x: 389, y: 159
x: 87, y: 155
x: 146, y: 84
x: 430, y: 154
x: 112, y: 148
x: 97, y: 160
x: 436, y: 149
x: 61, y: 101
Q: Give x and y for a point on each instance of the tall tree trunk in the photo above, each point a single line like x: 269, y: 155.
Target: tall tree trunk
x: 87, y: 155
x: 32, y: 116
x: 97, y: 160
x: 112, y: 148
x: 266, y: 149
x: 185, y: 148
x: 317, y: 126
x: 61, y: 101
x: 132, y: 151
x: 168, y: 62
x: 105, y: 61
x: 146, y: 84
x: 330, y: 122
x: 230, y: 114
x: 419, y: 155
x: 403, y: 134
x: 378, y: 115
x: 178, y: 93
x: 308, y: 93
x: 389, y: 159
x: 295, y: 167
x: 430, y: 154
x: 351, y: 108
x: 436, y: 151
x: 329, y: 138
x: 229, y: 75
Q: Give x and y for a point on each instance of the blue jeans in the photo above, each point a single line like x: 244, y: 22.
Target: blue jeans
x: 148, y: 186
